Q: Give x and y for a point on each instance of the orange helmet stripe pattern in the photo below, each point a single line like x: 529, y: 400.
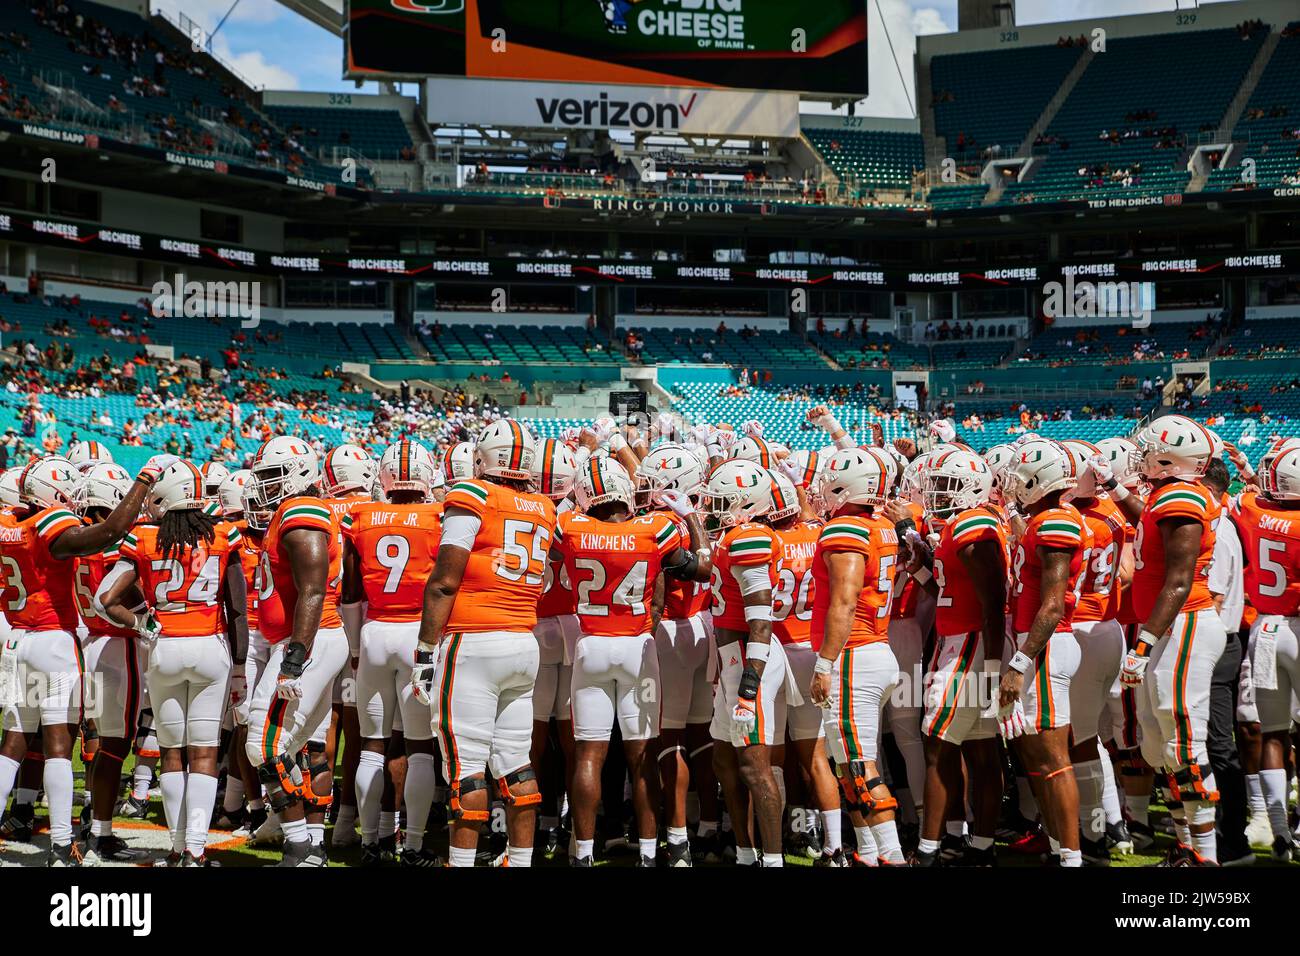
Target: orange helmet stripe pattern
x: 549, y: 449
x: 810, y: 470
x: 597, y: 479
x: 517, y: 446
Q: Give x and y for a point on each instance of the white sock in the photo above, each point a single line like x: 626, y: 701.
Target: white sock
x: 1071, y: 858
x: 1138, y: 810
x: 955, y: 828
x: 1256, y: 791
x: 773, y: 859
x: 295, y: 831
x: 347, y: 818
x: 981, y: 842
x: 1182, y: 833
x: 234, y: 798
x: 370, y: 793
x: 927, y: 846
x: 677, y: 836
x: 1273, y: 784
x: 746, y: 855
x: 101, y: 828
x: 25, y: 796
x: 58, y: 797
x: 8, y: 777
x: 141, y: 777
x: 421, y: 778
x: 1110, y: 791
x: 517, y: 855
x: 200, y: 797
x: 460, y: 856
x: 832, y: 838
x: 387, y: 823
x: 887, y: 847
x: 584, y: 849
x: 866, y: 841
x: 706, y: 828
x: 173, y: 794
x: 316, y: 834
x: 648, y: 847
x: 1089, y: 778
x: 1199, y: 813
x: 1028, y: 805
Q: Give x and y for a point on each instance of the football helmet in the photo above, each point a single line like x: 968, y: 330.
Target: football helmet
x: 668, y: 466
x: 785, y: 500
x: 103, y: 485
x: 505, y: 449
x: 1279, y: 473
x: 282, y: 468
x: 404, y: 466
x: 458, y: 461
x: 348, y: 469
x: 810, y: 464
x: 1174, y: 446
x: 1041, y: 467
x: 737, y: 491
x: 1081, y: 451
x: 214, y: 473
x: 9, y: 487
x: 1119, y: 452
x: 179, y: 488
x: 231, y: 493
x: 603, y: 480
x: 953, y: 482
x: 83, y: 454
x: 48, y: 482
x: 754, y: 449
x: 555, y: 469
x: 854, y: 476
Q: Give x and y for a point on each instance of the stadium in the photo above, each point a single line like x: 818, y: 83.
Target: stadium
x: 618, y: 227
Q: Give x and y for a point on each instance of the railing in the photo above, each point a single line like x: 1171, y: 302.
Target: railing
x: 194, y: 31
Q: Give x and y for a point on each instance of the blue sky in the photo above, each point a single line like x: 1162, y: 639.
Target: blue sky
x: 272, y: 47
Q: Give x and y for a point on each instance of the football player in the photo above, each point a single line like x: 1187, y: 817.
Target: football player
x: 749, y: 701
x: 1051, y: 554
x: 1181, y: 637
x: 389, y: 552
x: 476, y: 641
x: 38, y: 600
x: 298, y: 614
x: 855, y: 671
x: 187, y: 567
x: 613, y: 559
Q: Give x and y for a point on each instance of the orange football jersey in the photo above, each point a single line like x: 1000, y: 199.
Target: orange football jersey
x: 342, y: 507
x: 957, y: 608
x: 792, y: 598
x: 683, y: 598
x: 1060, y: 528
x: 908, y: 593
x: 744, y: 546
x: 37, y: 587
x: 396, y: 546
x: 1177, y: 499
x: 507, y: 565
x: 1270, y: 538
x: 90, y: 573
x: 557, y: 590
x: 250, y: 561
x: 873, y: 537
x: 1098, y: 591
x: 185, y: 590
x: 613, y: 566
x: 278, y: 595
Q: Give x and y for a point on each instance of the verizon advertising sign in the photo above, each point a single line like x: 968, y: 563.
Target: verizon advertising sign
x: 609, y: 106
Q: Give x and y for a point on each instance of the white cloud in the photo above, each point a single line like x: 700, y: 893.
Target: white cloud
x: 888, y: 95
x: 208, y: 13
x: 253, y: 66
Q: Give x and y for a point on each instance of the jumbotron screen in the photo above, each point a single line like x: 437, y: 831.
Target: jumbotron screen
x: 818, y: 48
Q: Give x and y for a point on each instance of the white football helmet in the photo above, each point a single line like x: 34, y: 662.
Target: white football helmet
x: 214, y: 473
x: 754, y: 449
x: 602, y: 480
x: 737, y: 491
x: 231, y: 493
x: 505, y: 449
x: 1081, y: 451
x: 1174, y: 446
x: 1040, y: 468
x: 1279, y: 473
x: 179, y: 488
x: 9, y: 487
x: 810, y: 464
x: 348, y: 469
x: 954, y: 482
x: 405, y: 466
x: 103, y: 485
x: 556, y: 468
x: 1119, y: 453
x: 785, y: 500
x: 84, y: 454
x: 669, y: 466
x: 282, y: 468
x: 458, y: 461
x: 48, y: 483
x: 854, y: 476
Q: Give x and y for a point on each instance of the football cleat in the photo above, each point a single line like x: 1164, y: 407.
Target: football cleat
x: 972, y: 857
x: 951, y: 848
x: 229, y: 820
x: 924, y: 858
x: 422, y: 859
x: 304, y: 854
x: 1094, y: 852
x: 1118, y: 838
x: 581, y: 861
x: 372, y: 855
x: 1143, y: 836
x: 344, y: 836
x: 1259, y: 832
x: 113, y: 849
x: 133, y: 809
x: 708, y: 849
x: 679, y: 855
x: 832, y: 859
x: 69, y: 854
x: 268, y: 831
x: 17, y: 827
x: 1284, y: 850
x: 1176, y: 856
x: 189, y: 859
x: 645, y: 863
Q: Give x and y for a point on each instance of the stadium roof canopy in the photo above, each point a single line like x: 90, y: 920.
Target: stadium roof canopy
x: 326, y: 13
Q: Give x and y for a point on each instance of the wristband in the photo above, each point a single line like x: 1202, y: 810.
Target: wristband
x: 617, y: 443
x: 829, y: 423
x: 758, y: 613
x: 922, y: 576
x: 1119, y: 493
x: 424, y: 648
x: 1247, y: 473
x: 823, y: 665
x: 1020, y: 662
x: 1110, y: 483
x: 1146, y: 640
x: 756, y: 652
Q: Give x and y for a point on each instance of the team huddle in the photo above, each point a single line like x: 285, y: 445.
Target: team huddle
x: 869, y: 640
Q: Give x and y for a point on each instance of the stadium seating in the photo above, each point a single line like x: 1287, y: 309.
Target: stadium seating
x: 1113, y: 344
x: 1262, y: 138
x: 762, y: 349
x: 875, y: 347
x: 373, y: 133
x: 509, y: 344
x: 1276, y: 336
x: 874, y: 158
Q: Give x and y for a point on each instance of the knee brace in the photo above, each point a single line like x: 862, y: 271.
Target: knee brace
x: 282, y: 778
x: 146, y: 741
x: 857, y: 789
x: 1131, y: 763
x: 457, y: 789
x: 1193, y: 782
x: 313, y: 762
x: 522, y: 775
